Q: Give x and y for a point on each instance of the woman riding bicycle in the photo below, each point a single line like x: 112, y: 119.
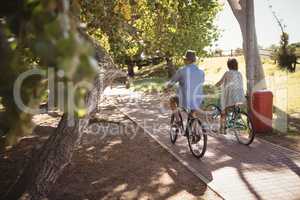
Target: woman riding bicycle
x: 232, y: 90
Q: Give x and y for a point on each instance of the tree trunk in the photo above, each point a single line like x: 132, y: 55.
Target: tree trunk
x: 55, y: 155
x: 243, y: 10
x: 130, y: 68
x: 170, y: 67
x: 49, y: 162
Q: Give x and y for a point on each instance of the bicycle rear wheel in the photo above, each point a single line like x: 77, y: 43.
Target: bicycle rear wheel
x: 242, y: 124
x: 176, y: 126
x: 197, y: 138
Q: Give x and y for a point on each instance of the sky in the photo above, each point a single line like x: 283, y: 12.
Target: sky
x: 267, y: 30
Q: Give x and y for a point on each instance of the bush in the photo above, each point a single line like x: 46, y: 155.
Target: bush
x: 286, y: 55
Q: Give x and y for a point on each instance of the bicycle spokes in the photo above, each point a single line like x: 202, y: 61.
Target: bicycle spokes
x: 243, y: 126
x: 194, y: 131
x: 196, y: 138
x: 176, y: 126
x: 241, y: 123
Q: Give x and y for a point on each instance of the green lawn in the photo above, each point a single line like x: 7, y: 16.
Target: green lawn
x: 285, y: 86
x: 154, y: 84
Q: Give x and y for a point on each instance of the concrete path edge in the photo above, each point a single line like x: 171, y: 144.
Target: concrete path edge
x: 185, y: 164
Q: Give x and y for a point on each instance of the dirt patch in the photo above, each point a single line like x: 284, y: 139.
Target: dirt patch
x: 118, y: 167
x: 116, y: 160
x: 14, y: 159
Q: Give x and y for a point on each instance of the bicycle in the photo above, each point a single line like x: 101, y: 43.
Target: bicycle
x: 237, y: 120
x: 197, y: 139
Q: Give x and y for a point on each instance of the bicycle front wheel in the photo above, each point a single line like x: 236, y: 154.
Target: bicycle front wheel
x: 197, y: 139
x: 243, y: 128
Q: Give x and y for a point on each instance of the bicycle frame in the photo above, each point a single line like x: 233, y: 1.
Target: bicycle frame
x: 231, y: 116
x: 189, y: 117
x: 190, y: 130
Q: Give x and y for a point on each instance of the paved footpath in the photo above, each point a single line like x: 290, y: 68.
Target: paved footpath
x: 235, y: 171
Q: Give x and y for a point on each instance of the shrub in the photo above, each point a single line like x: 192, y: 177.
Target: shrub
x: 286, y: 55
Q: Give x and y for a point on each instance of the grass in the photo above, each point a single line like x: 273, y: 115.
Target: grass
x: 149, y: 79
x: 152, y: 71
x: 148, y: 85
x: 152, y: 79
x: 284, y: 85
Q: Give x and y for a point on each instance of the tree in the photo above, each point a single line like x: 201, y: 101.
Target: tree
x: 167, y: 27
x: 42, y: 35
x: 286, y: 54
x: 110, y: 23
x: 243, y: 10
x: 172, y: 27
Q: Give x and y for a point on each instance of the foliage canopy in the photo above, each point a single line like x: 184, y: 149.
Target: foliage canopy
x: 165, y: 27
x: 44, y: 35
x: 38, y: 35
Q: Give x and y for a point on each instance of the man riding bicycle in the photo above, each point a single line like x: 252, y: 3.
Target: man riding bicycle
x: 189, y: 94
